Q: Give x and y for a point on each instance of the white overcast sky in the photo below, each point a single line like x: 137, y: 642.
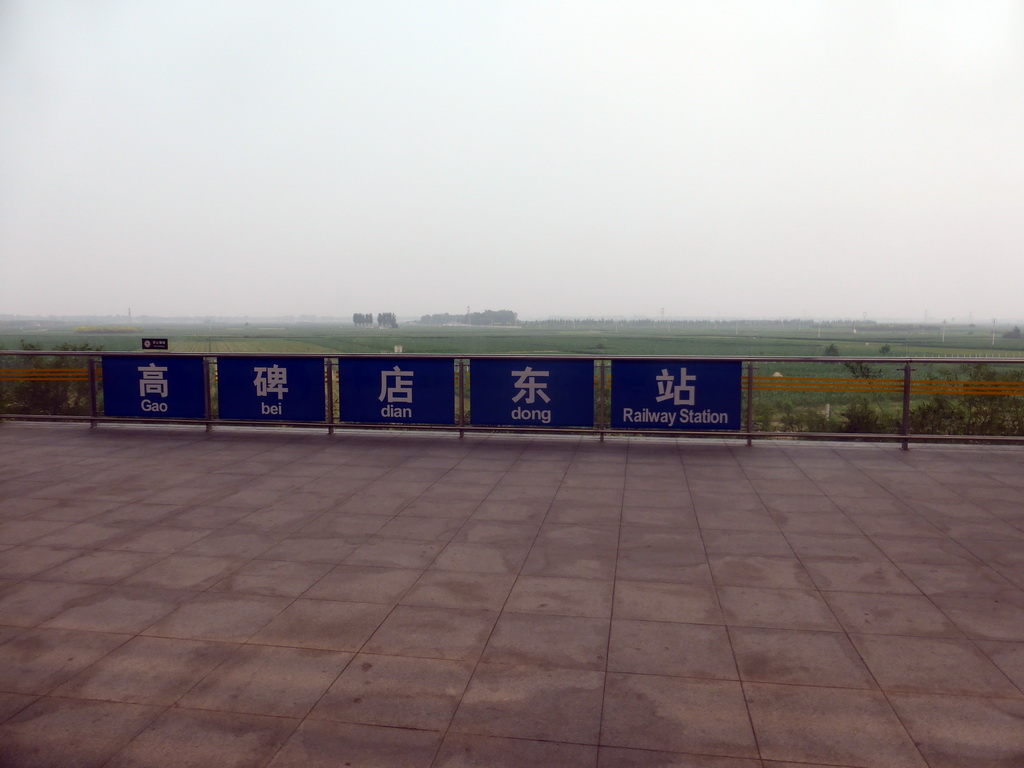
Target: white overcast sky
x: 757, y: 158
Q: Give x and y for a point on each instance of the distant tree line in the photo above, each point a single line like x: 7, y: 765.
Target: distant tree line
x: 487, y: 317
x: 365, y: 320
x: 608, y: 323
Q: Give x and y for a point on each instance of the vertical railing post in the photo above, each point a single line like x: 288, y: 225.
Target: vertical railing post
x: 750, y: 402
x: 602, y: 421
x: 905, y: 426
x: 207, y: 394
x: 93, y: 405
x: 329, y: 394
x: 462, y: 398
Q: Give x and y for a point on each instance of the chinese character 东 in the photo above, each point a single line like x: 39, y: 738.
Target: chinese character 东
x: 152, y: 381
x: 529, y: 387
x: 679, y: 394
x: 394, y: 387
x: 271, y: 380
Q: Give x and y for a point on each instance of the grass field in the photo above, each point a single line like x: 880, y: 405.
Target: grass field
x: 743, y: 339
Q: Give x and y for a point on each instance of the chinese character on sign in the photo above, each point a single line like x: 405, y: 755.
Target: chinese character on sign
x: 679, y: 394
x: 152, y: 381
x: 529, y: 387
x: 394, y: 388
x: 271, y: 380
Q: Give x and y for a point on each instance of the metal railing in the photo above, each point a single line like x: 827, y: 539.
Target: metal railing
x: 982, y: 398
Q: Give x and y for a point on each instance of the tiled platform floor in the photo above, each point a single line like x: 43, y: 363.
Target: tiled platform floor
x: 289, y: 598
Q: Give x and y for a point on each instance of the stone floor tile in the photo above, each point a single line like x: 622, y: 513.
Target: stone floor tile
x: 90, y: 732
x: 233, y: 542
x: 147, y: 670
x: 676, y: 714
x: 37, y: 660
x: 25, y: 560
x: 949, y: 580
x: 904, y: 550
x: 832, y: 726
x: 112, y: 609
x: 890, y: 614
x: 652, y: 601
x: 561, y: 596
x: 779, y: 608
x: 739, y: 542
x: 959, y: 731
x: 100, y: 567
x: 25, y: 531
x: 437, y: 529
x: 1008, y: 656
x: 364, y: 583
x: 323, y: 624
x: 798, y: 657
x: 277, y: 578
x: 482, y: 558
x: 437, y: 633
x: 395, y: 553
x: 322, y: 744
x: 873, y: 576
x: 183, y: 571
x: 197, y: 739
x: 322, y: 549
x: 157, y: 539
x: 451, y: 589
x: 266, y: 680
x: 532, y: 639
x: 12, y: 703
x: 543, y: 703
x: 664, y: 648
x: 396, y: 691
x: 836, y: 547
x: 986, y: 618
x: 754, y: 571
x: 219, y: 616
x: 932, y: 665
x: 463, y: 750
x: 582, y: 513
x: 616, y: 757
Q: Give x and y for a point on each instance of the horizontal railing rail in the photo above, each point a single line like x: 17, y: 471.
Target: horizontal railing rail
x: 982, y: 397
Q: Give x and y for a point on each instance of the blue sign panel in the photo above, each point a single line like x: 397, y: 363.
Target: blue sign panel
x: 271, y: 389
x: 147, y: 387
x: 664, y: 394
x: 533, y: 392
x: 397, y: 390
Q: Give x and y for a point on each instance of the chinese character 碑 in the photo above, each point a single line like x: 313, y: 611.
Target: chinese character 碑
x: 394, y: 387
x: 152, y: 381
x: 271, y: 380
x: 679, y: 394
x: 529, y: 387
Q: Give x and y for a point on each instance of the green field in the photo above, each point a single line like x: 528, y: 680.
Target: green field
x: 739, y: 339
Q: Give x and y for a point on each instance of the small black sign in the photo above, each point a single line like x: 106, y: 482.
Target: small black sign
x: 154, y: 343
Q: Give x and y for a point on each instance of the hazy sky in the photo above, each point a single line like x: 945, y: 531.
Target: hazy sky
x: 764, y: 158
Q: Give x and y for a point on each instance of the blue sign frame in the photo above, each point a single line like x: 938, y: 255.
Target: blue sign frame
x: 271, y: 388
x: 145, y: 387
x: 392, y: 390
x: 691, y: 395
x: 532, y: 392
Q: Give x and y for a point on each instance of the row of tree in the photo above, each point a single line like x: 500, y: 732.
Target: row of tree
x: 487, y: 317
x: 384, y: 320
